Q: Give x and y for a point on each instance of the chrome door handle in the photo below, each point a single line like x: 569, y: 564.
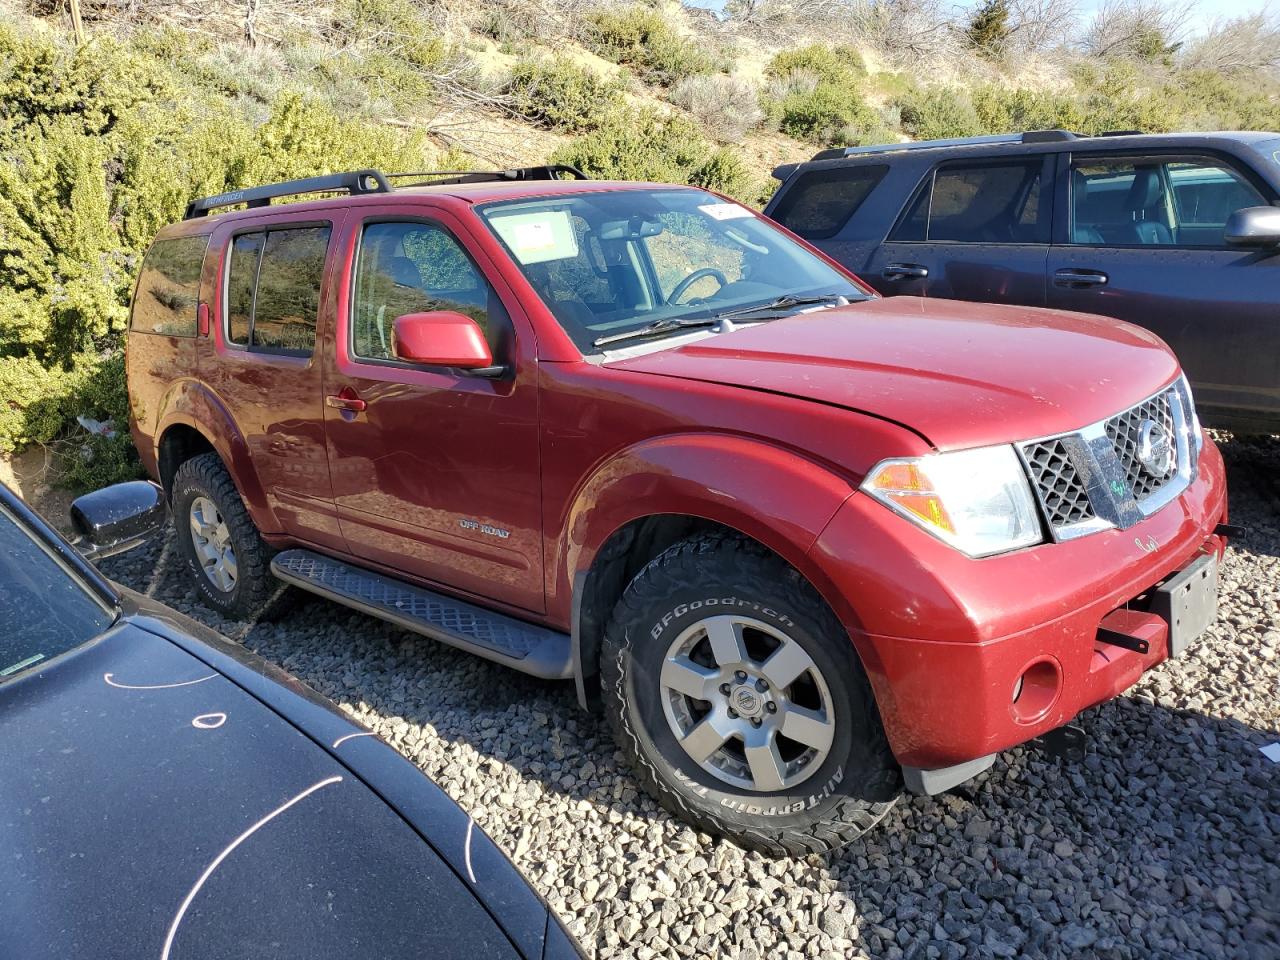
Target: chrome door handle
x: 904, y: 271
x: 1079, y: 278
x: 346, y: 401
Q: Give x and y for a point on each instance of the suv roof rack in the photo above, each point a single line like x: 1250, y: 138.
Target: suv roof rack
x: 1030, y: 136
x: 359, y: 182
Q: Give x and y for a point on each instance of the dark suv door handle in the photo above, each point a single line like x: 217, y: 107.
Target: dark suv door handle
x: 347, y: 399
x: 904, y: 271
x: 1068, y: 277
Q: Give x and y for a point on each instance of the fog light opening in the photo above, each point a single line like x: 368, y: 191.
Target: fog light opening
x: 1035, y: 691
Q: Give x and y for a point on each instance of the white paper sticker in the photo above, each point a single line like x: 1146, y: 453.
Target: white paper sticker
x: 725, y: 211
x: 538, y: 237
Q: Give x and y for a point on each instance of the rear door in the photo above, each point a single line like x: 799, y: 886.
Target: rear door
x: 1143, y: 242
x: 973, y: 230
x: 437, y: 475
x: 263, y: 361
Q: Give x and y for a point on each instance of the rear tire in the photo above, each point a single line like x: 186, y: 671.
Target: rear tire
x: 229, y: 562
x: 805, y: 767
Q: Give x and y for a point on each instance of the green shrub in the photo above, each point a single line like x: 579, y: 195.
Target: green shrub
x: 938, y: 113
x: 560, y: 95
x: 988, y: 30
x: 1004, y: 110
x: 647, y: 145
x: 838, y: 65
x: 824, y: 115
x: 641, y: 38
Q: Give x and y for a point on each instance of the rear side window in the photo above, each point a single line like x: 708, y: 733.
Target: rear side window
x: 979, y: 203
x: 273, y: 288
x: 169, y: 288
x: 821, y: 202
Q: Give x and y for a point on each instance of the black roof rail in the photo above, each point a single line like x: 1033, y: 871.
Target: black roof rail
x: 355, y: 182
x: 551, y: 171
x: 372, y: 181
x: 1030, y: 136
x: 1120, y: 133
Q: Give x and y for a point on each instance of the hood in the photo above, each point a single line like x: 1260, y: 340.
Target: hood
x: 959, y: 374
x: 149, y: 807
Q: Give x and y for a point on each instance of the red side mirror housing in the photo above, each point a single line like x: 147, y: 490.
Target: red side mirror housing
x: 443, y: 338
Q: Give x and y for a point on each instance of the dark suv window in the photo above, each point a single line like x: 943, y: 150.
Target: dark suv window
x: 273, y: 288
x: 169, y: 288
x: 981, y: 202
x: 415, y: 267
x: 1180, y: 201
x: 821, y: 202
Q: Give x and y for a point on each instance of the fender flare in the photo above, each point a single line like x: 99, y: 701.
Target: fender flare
x: 192, y: 404
x: 765, y: 492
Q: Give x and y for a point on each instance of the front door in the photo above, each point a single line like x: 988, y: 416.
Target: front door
x: 1144, y: 243
x: 974, y: 230
x: 437, y: 474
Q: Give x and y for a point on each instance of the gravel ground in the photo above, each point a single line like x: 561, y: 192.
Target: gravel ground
x: 1161, y: 843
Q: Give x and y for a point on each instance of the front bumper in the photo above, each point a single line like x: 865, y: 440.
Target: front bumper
x: 945, y: 638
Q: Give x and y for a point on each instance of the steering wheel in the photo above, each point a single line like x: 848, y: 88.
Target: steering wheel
x: 683, y: 286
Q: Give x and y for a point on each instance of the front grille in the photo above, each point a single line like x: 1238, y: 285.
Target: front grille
x: 1094, y: 478
x: 1125, y: 430
x: 1062, y: 493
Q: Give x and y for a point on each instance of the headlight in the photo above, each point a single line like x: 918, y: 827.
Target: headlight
x: 978, y: 501
x: 1193, y: 422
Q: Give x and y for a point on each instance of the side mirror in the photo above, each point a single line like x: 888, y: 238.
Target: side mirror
x: 117, y: 518
x: 1253, y: 227
x: 443, y: 338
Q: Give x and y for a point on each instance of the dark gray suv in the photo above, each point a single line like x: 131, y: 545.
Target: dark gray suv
x: 1178, y: 233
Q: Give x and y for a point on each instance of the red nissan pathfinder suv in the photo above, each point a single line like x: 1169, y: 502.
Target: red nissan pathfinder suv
x: 800, y: 543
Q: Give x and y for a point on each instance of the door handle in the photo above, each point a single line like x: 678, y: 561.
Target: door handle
x: 347, y: 399
x: 1078, y: 279
x: 904, y: 271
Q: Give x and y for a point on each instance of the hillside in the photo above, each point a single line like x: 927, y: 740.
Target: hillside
x: 108, y: 136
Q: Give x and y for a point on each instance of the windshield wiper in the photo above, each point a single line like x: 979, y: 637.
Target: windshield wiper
x: 785, y: 302
x: 665, y: 325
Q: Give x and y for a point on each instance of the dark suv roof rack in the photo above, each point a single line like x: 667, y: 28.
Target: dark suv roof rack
x: 1030, y: 136
x: 371, y: 181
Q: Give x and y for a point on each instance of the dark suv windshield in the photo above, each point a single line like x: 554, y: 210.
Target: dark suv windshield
x: 609, y: 262
x: 44, y: 610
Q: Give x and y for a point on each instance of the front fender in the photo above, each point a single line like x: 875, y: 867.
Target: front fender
x: 192, y: 404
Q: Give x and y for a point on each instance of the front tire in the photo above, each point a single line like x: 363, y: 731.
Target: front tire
x: 736, y: 695
x: 229, y: 562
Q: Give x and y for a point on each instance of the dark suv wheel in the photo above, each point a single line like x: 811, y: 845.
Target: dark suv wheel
x: 736, y: 694
x: 229, y: 562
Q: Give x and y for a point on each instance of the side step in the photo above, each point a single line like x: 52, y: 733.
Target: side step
x: 524, y: 646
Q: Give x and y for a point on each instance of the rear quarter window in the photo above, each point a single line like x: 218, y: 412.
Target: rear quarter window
x: 169, y: 287
x: 821, y: 202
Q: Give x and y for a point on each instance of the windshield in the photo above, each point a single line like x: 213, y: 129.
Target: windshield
x: 611, y: 262
x: 44, y: 610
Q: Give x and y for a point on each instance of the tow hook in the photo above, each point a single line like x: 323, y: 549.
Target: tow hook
x: 1065, y: 742
x: 1231, y: 531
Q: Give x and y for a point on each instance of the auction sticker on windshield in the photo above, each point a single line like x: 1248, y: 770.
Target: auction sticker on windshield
x: 538, y: 237
x: 725, y: 211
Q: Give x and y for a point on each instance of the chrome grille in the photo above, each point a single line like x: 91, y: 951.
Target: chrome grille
x: 1094, y: 478
x: 1062, y: 493
x: 1125, y: 430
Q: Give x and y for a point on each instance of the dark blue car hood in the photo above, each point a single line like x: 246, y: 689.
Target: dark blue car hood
x: 152, y: 808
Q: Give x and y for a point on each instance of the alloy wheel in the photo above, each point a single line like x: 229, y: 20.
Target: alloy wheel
x: 212, y: 542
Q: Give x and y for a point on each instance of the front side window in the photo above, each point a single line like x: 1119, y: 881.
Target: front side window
x: 273, y: 288
x: 414, y: 267
x: 612, y: 262
x: 984, y: 202
x: 169, y: 288
x: 44, y: 609
x: 1173, y: 202
x: 821, y: 201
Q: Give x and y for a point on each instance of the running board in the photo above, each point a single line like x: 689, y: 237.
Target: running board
x: 526, y: 647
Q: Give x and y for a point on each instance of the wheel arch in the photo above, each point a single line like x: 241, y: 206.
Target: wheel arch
x: 196, y: 421
x: 658, y: 493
